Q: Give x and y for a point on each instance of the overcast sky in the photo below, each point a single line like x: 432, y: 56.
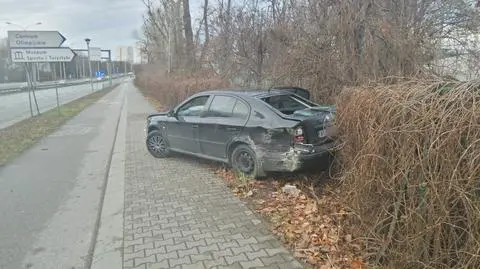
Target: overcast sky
x: 109, y: 23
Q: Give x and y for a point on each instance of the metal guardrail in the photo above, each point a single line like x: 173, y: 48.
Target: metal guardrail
x: 51, y: 85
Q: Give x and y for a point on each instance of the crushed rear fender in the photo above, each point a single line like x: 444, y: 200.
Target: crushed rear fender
x: 275, y: 152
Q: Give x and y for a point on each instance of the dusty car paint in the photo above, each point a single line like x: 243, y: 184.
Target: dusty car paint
x: 267, y: 132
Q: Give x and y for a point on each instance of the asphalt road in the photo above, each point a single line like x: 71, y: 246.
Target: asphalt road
x: 24, y: 84
x: 51, y: 195
x: 15, y: 107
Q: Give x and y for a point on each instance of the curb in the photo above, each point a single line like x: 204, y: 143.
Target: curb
x: 108, y: 246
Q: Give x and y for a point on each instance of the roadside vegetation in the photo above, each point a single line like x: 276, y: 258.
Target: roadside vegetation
x: 404, y: 189
x: 411, y: 175
x: 20, y: 136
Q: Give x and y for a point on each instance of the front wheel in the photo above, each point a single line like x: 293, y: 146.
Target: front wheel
x: 157, y: 145
x: 244, y: 160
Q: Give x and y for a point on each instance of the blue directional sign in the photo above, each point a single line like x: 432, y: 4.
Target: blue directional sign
x: 100, y: 74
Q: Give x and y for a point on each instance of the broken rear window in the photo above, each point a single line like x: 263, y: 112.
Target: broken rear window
x: 287, y: 104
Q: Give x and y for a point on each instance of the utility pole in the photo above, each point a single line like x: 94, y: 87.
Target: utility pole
x: 87, y: 40
x: 110, y: 67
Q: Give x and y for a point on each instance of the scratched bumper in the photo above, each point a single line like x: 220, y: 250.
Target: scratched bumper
x: 300, y: 157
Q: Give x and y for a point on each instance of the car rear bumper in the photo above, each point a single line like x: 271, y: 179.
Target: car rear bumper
x: 300, y: 157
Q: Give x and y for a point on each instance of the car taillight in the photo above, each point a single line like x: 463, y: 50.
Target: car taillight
x: 299, y: 135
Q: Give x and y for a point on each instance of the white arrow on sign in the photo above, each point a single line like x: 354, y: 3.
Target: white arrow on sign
x: 42, y: 55
x: 35, y: 39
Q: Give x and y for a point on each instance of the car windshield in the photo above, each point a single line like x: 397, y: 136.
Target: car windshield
x: 288, y: 103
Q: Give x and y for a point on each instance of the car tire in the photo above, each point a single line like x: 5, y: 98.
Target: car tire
x: 157, y: 145
x: 244, y: 160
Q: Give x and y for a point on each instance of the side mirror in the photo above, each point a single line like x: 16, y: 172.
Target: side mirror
x: 171, y: 113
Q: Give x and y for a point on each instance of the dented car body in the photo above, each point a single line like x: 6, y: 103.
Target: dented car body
x: 254, y: 131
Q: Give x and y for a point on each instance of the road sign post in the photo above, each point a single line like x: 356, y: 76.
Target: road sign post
x: 32, y: 73
x: 96, y: 56
x: 27, y: 76
x: 33, y: 47
x: 109, y: 66
x: 56, y: 89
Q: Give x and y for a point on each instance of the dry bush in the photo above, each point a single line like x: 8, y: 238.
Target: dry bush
x: 170, y: 90
x: 411, y: 154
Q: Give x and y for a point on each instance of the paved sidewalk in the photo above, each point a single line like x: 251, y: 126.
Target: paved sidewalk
x: 50, y: 195
x: 178, y: 214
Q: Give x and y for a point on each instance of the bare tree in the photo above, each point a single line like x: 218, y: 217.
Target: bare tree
x: 315, y: 43
x: 187, y: 23
x: 206, y: 32
x: 205, y: 22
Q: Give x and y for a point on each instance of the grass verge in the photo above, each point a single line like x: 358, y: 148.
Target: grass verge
x: 20, y: 136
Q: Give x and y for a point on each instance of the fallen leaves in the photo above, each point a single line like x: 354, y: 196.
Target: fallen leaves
x: 241, y: 186
x: 312, y: 228
x: 357, y: 264
x: 311, y: 225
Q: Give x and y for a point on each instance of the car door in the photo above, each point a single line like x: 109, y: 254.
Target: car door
x: 224, y: 120
x: 182, y: 131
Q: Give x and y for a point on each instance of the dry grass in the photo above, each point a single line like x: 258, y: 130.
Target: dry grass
x: 17, y: 138
x: 411, y: 157
x: 169, y: 90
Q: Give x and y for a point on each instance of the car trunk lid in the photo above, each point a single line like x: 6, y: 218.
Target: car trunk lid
x: 317, y: 123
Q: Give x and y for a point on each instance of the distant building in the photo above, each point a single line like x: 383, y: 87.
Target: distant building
x: 131, y: 54
x: 125, y: 54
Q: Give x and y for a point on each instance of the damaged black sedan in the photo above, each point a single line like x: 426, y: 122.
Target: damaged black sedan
x: 253, y: 131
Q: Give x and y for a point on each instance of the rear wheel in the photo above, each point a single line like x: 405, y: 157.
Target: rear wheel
x: 244, y: 160
x: 157, y: 145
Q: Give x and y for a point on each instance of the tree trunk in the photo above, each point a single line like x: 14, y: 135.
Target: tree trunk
x: 274, y: 15
x: 179, y: 48
x: 187, y: 23
x: 207, y: 32
x: 205, y: 20
x: 227, y: 33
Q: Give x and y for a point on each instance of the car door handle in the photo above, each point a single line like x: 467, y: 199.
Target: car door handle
x: 232, y: 129
x: 194, y: 125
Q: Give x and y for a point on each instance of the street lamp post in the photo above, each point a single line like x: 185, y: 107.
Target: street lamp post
x: 83, y: 67
x: 87, y: 40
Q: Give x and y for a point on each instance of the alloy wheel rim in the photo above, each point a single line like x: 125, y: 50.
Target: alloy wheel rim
x: 157, y: 144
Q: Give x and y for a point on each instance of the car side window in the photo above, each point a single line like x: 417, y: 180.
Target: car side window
x: 222, y: 106
x: 240, y: 110
x: 194, y: 107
